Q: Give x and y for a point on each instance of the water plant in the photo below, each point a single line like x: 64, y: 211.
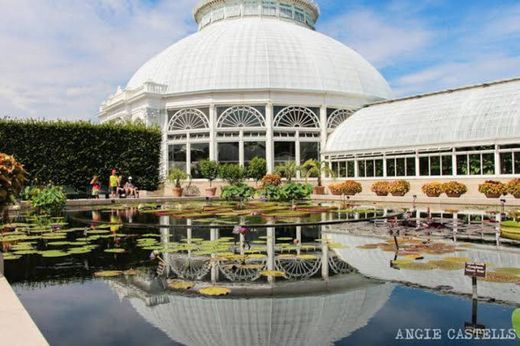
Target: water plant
x: 215, y: 291
x: 238, y: 192
x: 294, y: 191
x: 50, y: 200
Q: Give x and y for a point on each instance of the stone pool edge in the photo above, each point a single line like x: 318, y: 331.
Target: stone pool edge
x: 16, y: 325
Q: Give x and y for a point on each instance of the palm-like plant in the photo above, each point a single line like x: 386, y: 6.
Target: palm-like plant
x: 314, y: 168
x: 287, y: 170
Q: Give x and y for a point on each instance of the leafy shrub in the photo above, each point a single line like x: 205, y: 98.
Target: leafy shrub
x: 238, y: 192
x: 51, y: 200
x: 335, y: 188
x: 348, y: 187
x: 232, y: 173
x: 513, y: 187
x: 176, y: 176
x: 294, y: 191
x: 256, y: 168
x: 493, y: 188
x: 209, y: 170
x: 454, y: 188
x: 270, y: 192
x: 29, y: 192
x: 70, y: 153
x: 12, y: 178
x: 271, y: 179
x: 381, y: 187
x: 399, y: 187
x: 432, y: 189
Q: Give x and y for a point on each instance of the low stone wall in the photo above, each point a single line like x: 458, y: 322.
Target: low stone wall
x: 472, y: 197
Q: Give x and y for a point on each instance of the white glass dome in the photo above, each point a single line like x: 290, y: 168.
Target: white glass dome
x: 260, y: 52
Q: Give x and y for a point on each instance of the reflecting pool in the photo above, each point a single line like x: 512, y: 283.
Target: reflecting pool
x: 260, y: 274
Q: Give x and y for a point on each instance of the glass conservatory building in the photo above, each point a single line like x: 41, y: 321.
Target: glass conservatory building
x: 255, y: 80
x: 468, y: 132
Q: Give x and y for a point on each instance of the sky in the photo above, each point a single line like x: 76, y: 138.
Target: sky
x: 59, y: 59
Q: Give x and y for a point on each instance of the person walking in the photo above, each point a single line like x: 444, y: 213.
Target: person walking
x: 113, y: 183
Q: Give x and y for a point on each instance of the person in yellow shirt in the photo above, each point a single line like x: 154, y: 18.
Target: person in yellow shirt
x: 113, y: 183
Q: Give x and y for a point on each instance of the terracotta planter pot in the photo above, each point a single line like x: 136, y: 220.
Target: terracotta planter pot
x: 335, y: 192
x: 319, y: 190
x: 177, y: 191
x: 433, y: 194
x: 350, y: 194
x: 381, y: 194
x: 398, y: 194
x: 453, y: 195
x: 493, y: 195
x: 516, y: 196
x: 211, y: 191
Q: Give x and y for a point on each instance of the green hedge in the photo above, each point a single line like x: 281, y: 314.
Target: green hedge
x: 70, y: 153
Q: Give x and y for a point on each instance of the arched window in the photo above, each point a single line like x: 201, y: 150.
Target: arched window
x: 188, y: 119
x: 296, y: 117
x: 337, y: 117
x: 241, y: 116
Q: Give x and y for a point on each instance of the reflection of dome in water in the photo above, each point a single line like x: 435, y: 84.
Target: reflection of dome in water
x: 306, y: 320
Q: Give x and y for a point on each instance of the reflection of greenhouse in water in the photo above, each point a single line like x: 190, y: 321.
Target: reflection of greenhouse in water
x: 318, y: 319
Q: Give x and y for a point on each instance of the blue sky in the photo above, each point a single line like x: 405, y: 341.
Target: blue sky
x: 61, y: 59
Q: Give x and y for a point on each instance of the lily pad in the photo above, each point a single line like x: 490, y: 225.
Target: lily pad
x: 215, y: 291
x: 515, y: 319
x: 180, y: 285
x: 512, y: 271
x: 53, y: 253
x: 108, y: 273
x: 115, y: 250
x: 273, y: 273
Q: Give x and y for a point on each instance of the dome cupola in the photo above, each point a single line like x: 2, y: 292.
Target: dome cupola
x: 302, y: 12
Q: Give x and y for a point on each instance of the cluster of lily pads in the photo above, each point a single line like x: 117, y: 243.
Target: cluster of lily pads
x: 50, y: 239
x: 412, y: 255
x: 227, y: 213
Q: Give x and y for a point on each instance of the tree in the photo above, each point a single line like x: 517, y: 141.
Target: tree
x: 232, y: 173
x: 209, y: 170
x: 257, y: 168
x: 288, y: 170
x: 314, y: 168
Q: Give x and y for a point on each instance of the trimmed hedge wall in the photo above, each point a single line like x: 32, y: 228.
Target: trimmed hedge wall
x: 71, y: 153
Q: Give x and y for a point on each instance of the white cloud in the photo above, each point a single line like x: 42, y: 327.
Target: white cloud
x: 61, y: 59
x: 382, y: 40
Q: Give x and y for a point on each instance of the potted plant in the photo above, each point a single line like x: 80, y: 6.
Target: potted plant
x: 454, y: 189
x: 492, y: 189
x: 287, y: 170
x: 12, y: 178
x: 399, y: 187
x: 314, y: 168
x: 233, y: 174
x: 176, y: 176
x: 433, y: 189
x: 271, y: 180
x: 381, y: 188
x: 209, y: 170
x: 351, y: 187
x: 335, y: 189
x: 513, y: 187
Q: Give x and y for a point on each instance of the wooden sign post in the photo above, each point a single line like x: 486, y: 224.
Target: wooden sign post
x: 474, y: 270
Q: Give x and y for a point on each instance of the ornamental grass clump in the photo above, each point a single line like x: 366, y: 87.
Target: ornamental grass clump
x: 399, y: 187
x: 454, y: 189
x: 492, y: 188
x: 433, y: 189
x: 381, y: 188
x: 513, y: 187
